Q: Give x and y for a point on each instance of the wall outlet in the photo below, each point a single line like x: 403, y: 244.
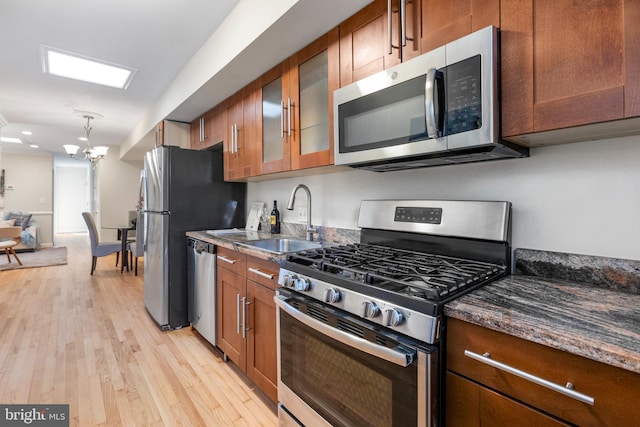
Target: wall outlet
x: 302, y: 214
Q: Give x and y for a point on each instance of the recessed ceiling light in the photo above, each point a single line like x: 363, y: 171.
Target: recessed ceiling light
x: 26, y: 132
x: 11, y: 140
x: 74, y: 66
x: 34, y: 145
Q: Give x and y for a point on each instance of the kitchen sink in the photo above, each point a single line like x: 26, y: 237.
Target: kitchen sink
x: 281, y: 246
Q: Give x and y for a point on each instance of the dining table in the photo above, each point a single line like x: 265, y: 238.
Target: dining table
x: 123, y: 235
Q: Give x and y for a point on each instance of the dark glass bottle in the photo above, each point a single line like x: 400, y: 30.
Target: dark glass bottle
x: 275, y: 218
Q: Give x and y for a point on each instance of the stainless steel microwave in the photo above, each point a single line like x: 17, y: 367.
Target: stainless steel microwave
x: 439, y: 108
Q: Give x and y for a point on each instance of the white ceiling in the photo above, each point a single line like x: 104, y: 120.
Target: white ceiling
x: 189, y: 55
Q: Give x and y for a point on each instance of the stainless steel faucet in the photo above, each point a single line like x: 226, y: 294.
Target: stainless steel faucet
x: 310, y: 228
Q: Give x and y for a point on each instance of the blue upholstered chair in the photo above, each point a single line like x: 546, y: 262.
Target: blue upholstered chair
x: 98, y: 248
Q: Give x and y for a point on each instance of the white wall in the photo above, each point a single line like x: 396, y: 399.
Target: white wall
x: 118, y: 183
x: 32, y: 179
x: 580, y: 198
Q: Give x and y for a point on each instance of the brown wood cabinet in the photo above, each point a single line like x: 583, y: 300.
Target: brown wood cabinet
x: 295, y: 109
x: 241, y: 156
x: 480, y: 394
x: 469, y: 404
x: 568, y: 63
x: 369, y: 45
x: 446, y: 21
x: 246, y: 316
x: 199, y: 133
x: 172, y: 133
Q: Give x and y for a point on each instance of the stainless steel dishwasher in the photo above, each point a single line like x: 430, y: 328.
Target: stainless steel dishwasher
x: 201, y: 277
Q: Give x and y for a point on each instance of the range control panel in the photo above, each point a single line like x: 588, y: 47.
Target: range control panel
x: 419, y: 215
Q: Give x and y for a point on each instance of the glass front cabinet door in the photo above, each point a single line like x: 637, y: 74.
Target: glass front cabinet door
x: 297, y: 113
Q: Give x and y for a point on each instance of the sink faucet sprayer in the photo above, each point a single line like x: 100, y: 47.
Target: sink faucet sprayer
x: 310, y: 228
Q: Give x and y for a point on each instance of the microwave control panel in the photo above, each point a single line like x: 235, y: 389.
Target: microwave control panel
x: 464, y: 97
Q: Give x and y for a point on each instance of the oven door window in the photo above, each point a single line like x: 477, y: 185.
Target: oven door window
x: 344, y: 385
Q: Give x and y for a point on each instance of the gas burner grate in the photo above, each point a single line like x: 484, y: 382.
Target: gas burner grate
x: 415, y: 274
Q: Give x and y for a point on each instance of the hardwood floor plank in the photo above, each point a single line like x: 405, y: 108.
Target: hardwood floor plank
x: 69, y: 337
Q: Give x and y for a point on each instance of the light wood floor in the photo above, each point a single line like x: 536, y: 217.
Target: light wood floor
x: 68, y: 337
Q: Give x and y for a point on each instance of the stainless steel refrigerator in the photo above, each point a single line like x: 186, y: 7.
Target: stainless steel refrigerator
x: 183, y: 190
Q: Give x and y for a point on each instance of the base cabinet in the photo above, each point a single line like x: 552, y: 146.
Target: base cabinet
x: 478, y: 393
x: 246, y: 313
x: 469, y: 404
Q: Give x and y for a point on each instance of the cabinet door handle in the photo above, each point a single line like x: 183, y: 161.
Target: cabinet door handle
x: 238, y: 314
x: 403, y: 21
x: 227, y: 260
x: 245, y: 303
x: 566, y: 390
x: 261, y: 273
x: 389, y: 36
x: 289, y: 116
x: 282, y: 119
x: 237, y: 139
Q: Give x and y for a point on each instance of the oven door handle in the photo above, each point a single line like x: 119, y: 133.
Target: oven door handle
x: 399, y: 358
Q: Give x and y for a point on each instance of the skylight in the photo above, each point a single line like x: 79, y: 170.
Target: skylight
x: 73, y: 66
x: 11, y: 140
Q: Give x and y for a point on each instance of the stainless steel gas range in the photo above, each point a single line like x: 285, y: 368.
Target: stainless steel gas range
x: 360, y: 329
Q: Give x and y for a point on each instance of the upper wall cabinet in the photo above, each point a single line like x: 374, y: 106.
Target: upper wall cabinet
x: 314, y: 75
x: 275, y: 124
x: 379, y: 37
x: 448, y: 20
x: 173, y: 133
x: 295, y: 104
x: 199, y: 134
x: 241, y: 158
x: 568, y: 63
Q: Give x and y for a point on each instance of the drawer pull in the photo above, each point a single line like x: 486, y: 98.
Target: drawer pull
x: 227, y: 260
x: 260, y: 273
x: 567, y: 391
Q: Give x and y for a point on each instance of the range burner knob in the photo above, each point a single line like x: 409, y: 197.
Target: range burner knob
x: 289, y: 280
x: 370, y: 309
x: 331, y: 295
x: 392, y: 317
x: 302, y: 284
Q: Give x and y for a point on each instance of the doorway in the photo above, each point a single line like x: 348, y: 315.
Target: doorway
x: 72, y: 196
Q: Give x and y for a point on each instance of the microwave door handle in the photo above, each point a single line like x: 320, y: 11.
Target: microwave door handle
x: 430, y: 87
x: 376, y: 350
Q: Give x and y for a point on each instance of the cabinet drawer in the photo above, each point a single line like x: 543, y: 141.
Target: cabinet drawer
x: 263, y: 272
x: 232, y: 260
x: 614, y: 390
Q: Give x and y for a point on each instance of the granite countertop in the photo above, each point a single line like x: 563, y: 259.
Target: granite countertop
x: 231, y: 240
x: 595, y: 320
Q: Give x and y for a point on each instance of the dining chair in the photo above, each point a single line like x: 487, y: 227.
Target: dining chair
x: 12, y: 236
x: 98, y: 248
x: 136, y: 247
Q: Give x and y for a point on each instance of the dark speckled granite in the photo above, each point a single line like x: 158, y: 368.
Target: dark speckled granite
x: 611, y: 273
x: 591, y: 319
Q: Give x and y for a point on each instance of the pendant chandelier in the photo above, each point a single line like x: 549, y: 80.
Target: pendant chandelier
x: 93, y: 154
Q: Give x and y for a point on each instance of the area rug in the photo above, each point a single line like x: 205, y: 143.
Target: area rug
x: 40, y: 258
